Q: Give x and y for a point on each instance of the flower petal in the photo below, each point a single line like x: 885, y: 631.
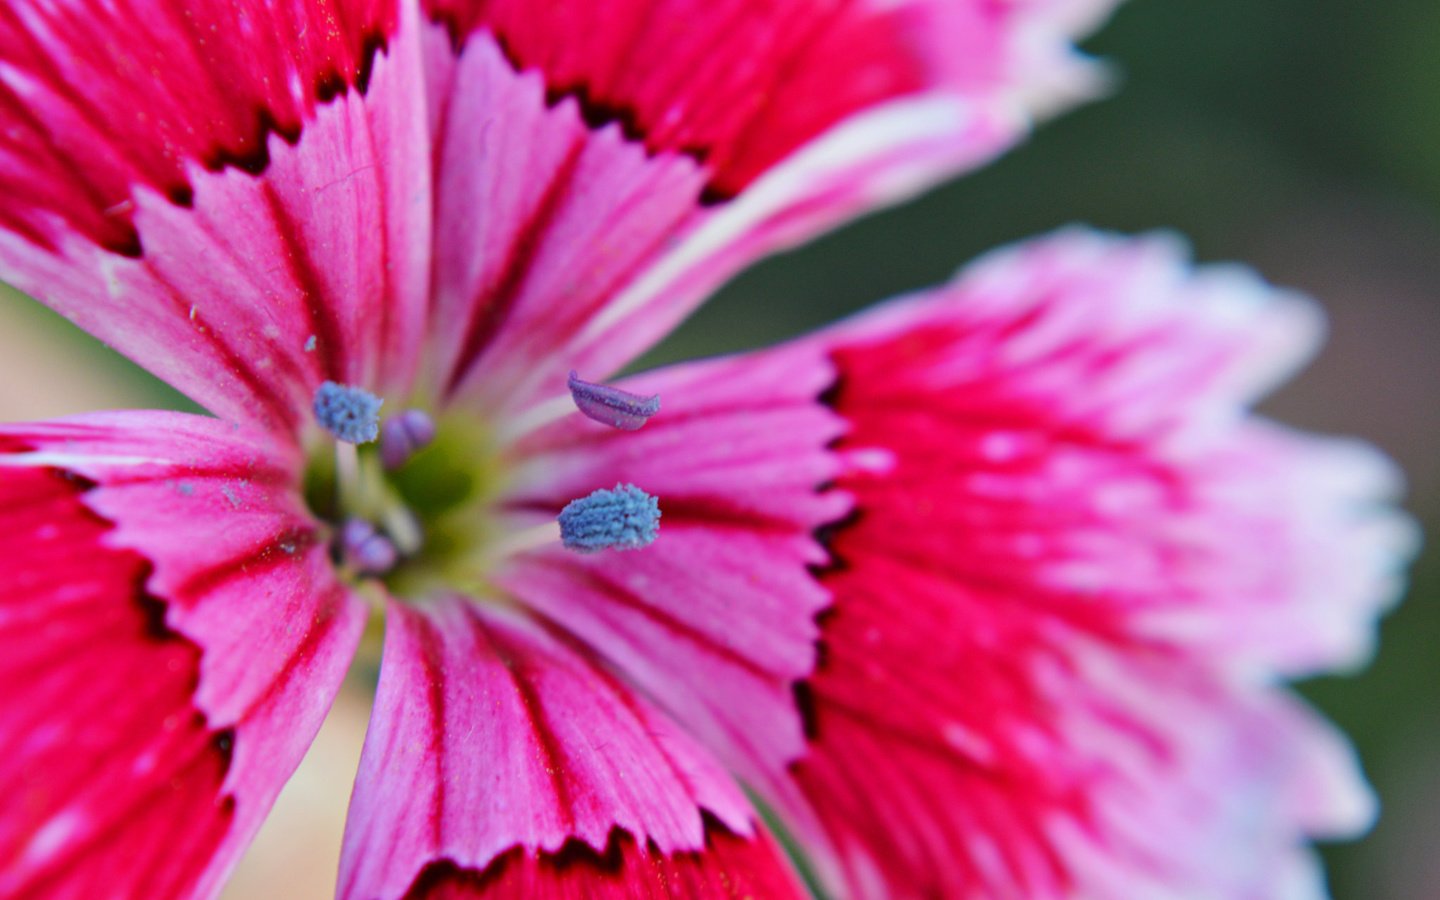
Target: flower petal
x: 233, y: 235
x: 575, y: 234
x: 179, y: 634
x: 1063, y: 600
x: 98, y: 99
x: 1256, y: 522
x: 741, y: 84
x: 1332, y: 554
x: 729, y: 866
x: 648, y: 151
x: 539, y: 220
x: 1233, y: 765
x: 715, y: 620
x: 499, y: 755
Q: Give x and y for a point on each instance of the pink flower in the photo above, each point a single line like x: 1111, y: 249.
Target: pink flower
x: 984, y: 594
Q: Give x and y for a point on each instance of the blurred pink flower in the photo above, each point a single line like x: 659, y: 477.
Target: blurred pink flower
x: 986, y: 593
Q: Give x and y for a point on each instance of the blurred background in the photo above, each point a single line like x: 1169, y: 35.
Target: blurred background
x: 1299, y: 136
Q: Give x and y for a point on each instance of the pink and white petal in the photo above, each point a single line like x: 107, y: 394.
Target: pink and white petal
x: 539, y: 221
x: 243, y: 241
x: 174, y: 617
x: 1235, y: 764
x: 1039, y: 667
x: 1331, y: 557
x: 1239, y: 516
x: 1171, y: 353
x: 661, y: 147
x: 715, y: 620
x: 500, y: 752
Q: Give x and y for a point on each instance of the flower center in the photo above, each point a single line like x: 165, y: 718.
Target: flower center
x: 411, y: 499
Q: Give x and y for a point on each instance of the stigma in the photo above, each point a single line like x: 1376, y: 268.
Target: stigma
x: 612, y: 406
x: 624, y: 518
x: 349, y: 413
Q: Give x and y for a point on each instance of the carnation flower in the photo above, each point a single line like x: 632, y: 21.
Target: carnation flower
x: 987, y: 593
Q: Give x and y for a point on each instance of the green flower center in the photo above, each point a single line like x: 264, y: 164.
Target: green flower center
x: 436, y: 510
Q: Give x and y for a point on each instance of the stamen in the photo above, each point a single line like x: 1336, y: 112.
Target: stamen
x: 526, y: 539
x: 403, y: 528
x: 349, y: 486
x: 612, y: 406
x: 364, y: 548
x: 403, y: 435
x: 625, y: 518
x: 351, y: 414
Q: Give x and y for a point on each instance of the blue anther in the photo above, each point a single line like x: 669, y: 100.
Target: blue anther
x: 403, y: 435
x: 612, y: 406
x: 366, y: 549
x: 352, y: 414
x: 625, y: 518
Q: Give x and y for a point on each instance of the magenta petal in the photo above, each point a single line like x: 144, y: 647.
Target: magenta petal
x: 179, y: 635
x: 245, y: 292
x: 98, y: 99
x: 728, y: 867
x: 496, y: 745
x: 715, y: 619
x: 97, y: 686
x: 1076, y: 570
